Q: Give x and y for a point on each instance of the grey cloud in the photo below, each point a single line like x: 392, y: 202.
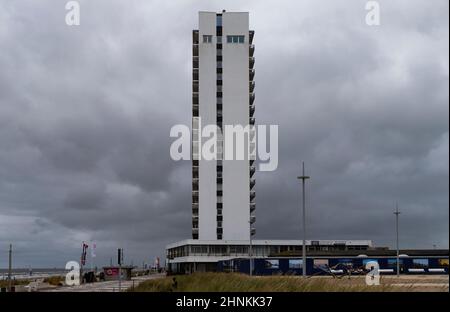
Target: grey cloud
x: 85, y: 114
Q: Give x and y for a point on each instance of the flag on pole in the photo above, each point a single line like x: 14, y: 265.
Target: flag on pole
x: 83, y: 253
x: 94, y: 246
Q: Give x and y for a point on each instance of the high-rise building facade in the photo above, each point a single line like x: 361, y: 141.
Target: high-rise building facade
x: 223, y: 196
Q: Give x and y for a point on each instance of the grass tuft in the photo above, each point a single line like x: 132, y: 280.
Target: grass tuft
x: 229, y: 282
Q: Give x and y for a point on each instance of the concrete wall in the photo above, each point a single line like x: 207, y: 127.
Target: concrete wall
x: 236, y: 186
x: 207, y: 112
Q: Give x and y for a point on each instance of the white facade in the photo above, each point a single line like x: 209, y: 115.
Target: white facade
x: 222, y: 92
x: 197, y: 251
x: 207, y: 113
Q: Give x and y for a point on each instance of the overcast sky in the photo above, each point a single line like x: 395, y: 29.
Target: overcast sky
x: 85, y: 115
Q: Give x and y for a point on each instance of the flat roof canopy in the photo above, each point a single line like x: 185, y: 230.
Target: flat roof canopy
x: 271, y: 242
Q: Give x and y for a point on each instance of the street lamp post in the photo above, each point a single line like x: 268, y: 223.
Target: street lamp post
x: 250, y: 251
x: 303, y: 177
x: 10, y: 268
x: 396, y: 229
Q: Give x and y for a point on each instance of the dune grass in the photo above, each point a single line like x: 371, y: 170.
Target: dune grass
x: 55, y: 280
x: 5, y: 283
x: 229, y: 282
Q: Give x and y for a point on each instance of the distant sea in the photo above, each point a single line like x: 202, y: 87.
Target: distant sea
x: 27, y: 273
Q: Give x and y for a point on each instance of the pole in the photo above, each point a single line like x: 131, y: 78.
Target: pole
x: 10, y: 268
x: 120, y: 259
x: 92, y: 258
x: 303, y: 177
x: 251, y: 248
x: 82, y: 262
x: 396, y: 229
x: 120, y: 277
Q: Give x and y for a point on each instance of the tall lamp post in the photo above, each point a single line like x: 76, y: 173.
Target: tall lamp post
x: 303, y: 177
x: 250, y: 251
x: 10, y: 268
x: 396, y: 229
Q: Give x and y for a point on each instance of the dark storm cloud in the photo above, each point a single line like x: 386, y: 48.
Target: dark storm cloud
x: 85, y: 115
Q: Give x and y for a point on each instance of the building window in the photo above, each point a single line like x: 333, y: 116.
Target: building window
x: 207, y: 38
x: 235, y: 39
x: 199, y: 250
x: 219, y: 20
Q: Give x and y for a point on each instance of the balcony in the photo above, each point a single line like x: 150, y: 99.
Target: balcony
x: 252, y: 195
x: 195, y: 110
x: 252, y: 110
x: 251, y: 74
x: 194, y: 231
x: 253, y: 231
x: 195, y: 50
x: 251, y: 50
x: 251, y: 62
x: 195, y: 74
x: 252, y: 183
x: 252, y: 207
x: 252, y: 121
x: 252, y: 98
x: 195, y: 36
x: 251, y: 34
x: 252, y: 134
x: 252, y: 149
x: 195, y: 62
x: 252, y: 219
x: 251, y: 86
x: 195, y: 86
x: 252, y: 171
x: 195, y: 208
